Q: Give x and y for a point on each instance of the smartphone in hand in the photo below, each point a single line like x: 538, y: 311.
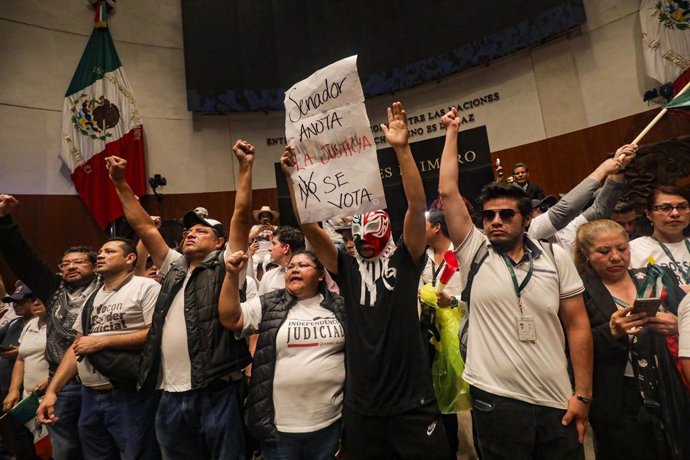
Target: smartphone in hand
x: 649, y: 306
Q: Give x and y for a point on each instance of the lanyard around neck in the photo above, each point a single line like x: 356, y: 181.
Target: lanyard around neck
x: 435, y: 271
x: 519, y: 288
x: 684, y: 273
x: 619, y: 302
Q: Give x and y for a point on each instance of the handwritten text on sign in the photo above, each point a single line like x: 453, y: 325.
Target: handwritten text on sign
x: 326, y: 121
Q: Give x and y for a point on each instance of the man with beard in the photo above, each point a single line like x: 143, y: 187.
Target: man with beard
x: 63, y: 295
x: 390, y: 407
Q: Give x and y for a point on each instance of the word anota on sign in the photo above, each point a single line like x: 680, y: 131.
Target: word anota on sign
x: 326, y: 122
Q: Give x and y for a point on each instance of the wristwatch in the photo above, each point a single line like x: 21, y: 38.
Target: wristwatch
x: 454, y: 302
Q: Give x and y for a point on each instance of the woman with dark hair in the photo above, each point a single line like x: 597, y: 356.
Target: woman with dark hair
x: 640, y: 409
x: 668, y: 209
x: 296, y: 391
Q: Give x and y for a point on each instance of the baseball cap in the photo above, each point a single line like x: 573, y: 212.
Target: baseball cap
x: 192, y: 218
x: 22, y: 292
x: 549, y: 201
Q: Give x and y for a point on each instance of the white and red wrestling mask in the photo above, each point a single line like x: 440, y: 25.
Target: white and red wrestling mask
x: 371, y: 233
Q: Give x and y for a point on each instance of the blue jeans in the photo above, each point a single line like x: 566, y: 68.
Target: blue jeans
x: 64, y: 434
x: 117, y: 424
x: 201, y: 424
x: 317, y: 445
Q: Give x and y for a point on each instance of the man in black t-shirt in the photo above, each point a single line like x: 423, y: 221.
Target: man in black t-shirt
x: 390, y: 408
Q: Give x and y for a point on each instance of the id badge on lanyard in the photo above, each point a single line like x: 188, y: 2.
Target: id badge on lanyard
x: 526, y: 326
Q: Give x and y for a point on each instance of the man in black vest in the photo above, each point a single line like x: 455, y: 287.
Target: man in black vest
x: 188, y: 354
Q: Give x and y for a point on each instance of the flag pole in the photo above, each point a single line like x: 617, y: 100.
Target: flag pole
x: 657, y: 118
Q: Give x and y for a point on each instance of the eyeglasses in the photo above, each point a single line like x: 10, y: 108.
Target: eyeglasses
x: 67, y: 263
x: 666, y: 208
x: 301, y: 266
x: 504, y: 214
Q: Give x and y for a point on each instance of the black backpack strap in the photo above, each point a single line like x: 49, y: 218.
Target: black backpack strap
x: 479, y: 257
x: 477, y: 261
x: 86, y: 313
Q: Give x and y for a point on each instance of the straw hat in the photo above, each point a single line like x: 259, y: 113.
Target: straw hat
x: 267, y: 210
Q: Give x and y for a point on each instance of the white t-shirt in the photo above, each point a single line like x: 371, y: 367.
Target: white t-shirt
x: 252, y: 288
x: 126, y: 310
x: 32, y: 347
x: 497, y: 362
x: 641, y: 248
x: 684, y: 327
x: 453, y: 287
x: 9, y: 314
x: 541, y: 228
x: 264, y: 238
x: 310, y: 365
x: 272, y: 280
x: 176, y: 364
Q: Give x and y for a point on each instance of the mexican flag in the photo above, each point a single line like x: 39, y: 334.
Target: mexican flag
x: 680, y: 102
x: 100, y: 118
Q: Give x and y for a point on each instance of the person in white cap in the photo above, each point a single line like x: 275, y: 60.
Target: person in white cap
x: 262, y: 234
x: 201, y: 212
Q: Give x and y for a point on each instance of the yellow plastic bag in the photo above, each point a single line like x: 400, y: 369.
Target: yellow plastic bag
x: 452, y: 392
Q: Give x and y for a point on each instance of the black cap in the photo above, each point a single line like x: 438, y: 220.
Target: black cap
x: 549, y: 201
x: 191, y: 219
x: 21, y: 293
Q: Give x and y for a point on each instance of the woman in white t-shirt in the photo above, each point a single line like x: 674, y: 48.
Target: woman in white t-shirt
x: 31, y: 368
x: 668, y: 209
x: 296, y: 391
x: 684, y: 336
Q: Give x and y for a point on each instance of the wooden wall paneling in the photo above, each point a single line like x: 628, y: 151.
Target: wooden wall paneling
x: 54, y: 222
x: 561, y: 162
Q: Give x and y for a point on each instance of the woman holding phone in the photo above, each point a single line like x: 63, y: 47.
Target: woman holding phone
x: 640, y: 409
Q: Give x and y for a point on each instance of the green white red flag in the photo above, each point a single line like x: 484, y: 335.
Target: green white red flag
x: 100, y: 118
x: 680, y: 102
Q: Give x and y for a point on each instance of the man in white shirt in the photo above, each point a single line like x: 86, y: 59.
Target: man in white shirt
x: 118, y: 316
x: 286, y: 240
x: 439, y: 243
x: 523, y: 303
x: 188, y: 354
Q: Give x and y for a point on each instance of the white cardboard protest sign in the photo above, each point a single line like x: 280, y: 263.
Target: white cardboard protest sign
x: 337, y: 172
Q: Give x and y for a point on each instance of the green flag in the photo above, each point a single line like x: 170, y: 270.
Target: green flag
x: 680, y: 102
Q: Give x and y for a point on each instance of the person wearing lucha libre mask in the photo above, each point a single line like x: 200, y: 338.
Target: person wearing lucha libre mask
x: 390, y: 405
x: 372, y: 233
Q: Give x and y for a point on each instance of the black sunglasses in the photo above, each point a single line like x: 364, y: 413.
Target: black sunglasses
x: 504, y: 214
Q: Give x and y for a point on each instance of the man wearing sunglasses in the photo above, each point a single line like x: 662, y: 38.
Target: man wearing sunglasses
x: 64, y: 295
x: 523, y: 303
